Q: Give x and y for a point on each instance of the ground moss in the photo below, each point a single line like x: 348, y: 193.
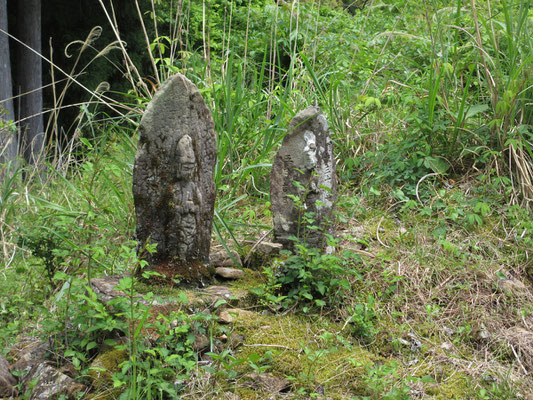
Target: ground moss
x: 295, y: 348
x: 454, y: 387
x: 251, y: 280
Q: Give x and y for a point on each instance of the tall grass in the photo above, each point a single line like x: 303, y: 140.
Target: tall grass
x: 462, y: 89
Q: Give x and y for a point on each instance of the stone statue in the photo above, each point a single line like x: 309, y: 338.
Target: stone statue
x: 173, y: 186
x: 303, y: 182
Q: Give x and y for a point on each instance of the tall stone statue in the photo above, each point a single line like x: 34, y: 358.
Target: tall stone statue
x: 173, y: 186
x: 303, y: 187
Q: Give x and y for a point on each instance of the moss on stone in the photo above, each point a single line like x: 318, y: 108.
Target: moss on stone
x: 103, y: 366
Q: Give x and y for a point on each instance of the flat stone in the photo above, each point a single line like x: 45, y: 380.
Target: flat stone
x: 303, y: 182
x: 225, y: 317
x: 230, y: 315
x: 447, y: 346
x: 269, y: 248
x: 223, y: 259
x: 214, y: 293
x: 268, y: 382
x: 104, y: 288
x: 173, y: 184
x: 229, y: 273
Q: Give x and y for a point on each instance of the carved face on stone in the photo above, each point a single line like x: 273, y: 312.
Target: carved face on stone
x: 309, y: 151
x: 186, y: 158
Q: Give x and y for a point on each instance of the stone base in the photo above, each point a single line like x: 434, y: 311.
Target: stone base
x: 189, y: 274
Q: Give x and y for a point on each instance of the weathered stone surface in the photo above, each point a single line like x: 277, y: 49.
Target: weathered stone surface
x: 268, y: 248
x: 262, y: 254
x: 213, y: 294
x: 267, y: 382
x: 51, y: 383
x: 173, y: 186
x: 304, y: 168
x: 7, y: 381
x: 104, y: 288
x: 34, y: 353
x: 223, y: 259
x: 229, y: 273
x: 229, y: 315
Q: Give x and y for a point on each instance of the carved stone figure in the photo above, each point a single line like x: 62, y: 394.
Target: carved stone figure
x: 303, y: 182
x: 173, y: 186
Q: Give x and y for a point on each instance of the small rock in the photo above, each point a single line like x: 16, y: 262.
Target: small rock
x: 104, y: 288
x: 222, y: 338
x: 69, y: 369
x: 51, y: 383
x: 489, y: 378
x: 229, y: 273
x: 269, y: 248
x: 416, y: 345
x: 240, y: 313
x: 223, y: 259
x: 480, y: 332
x: 448, y: 331
x: 214, y: 293
x: 225, y: 317
x: 229, y: 315
x: 201, y: 342
x: 268, y: 382
x: 403, y: 342
x: 446, y: 346
x: 221, y: 292
x: 402, y: 230
x: 236, y: 340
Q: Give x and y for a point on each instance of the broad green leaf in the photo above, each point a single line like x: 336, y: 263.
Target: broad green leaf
x: 478, y: 108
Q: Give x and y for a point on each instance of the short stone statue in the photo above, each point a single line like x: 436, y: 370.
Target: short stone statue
x: 173, y: 186
x: 303, y: 187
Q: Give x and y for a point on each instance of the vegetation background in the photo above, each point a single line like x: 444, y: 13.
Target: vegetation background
x: 429, y: 103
